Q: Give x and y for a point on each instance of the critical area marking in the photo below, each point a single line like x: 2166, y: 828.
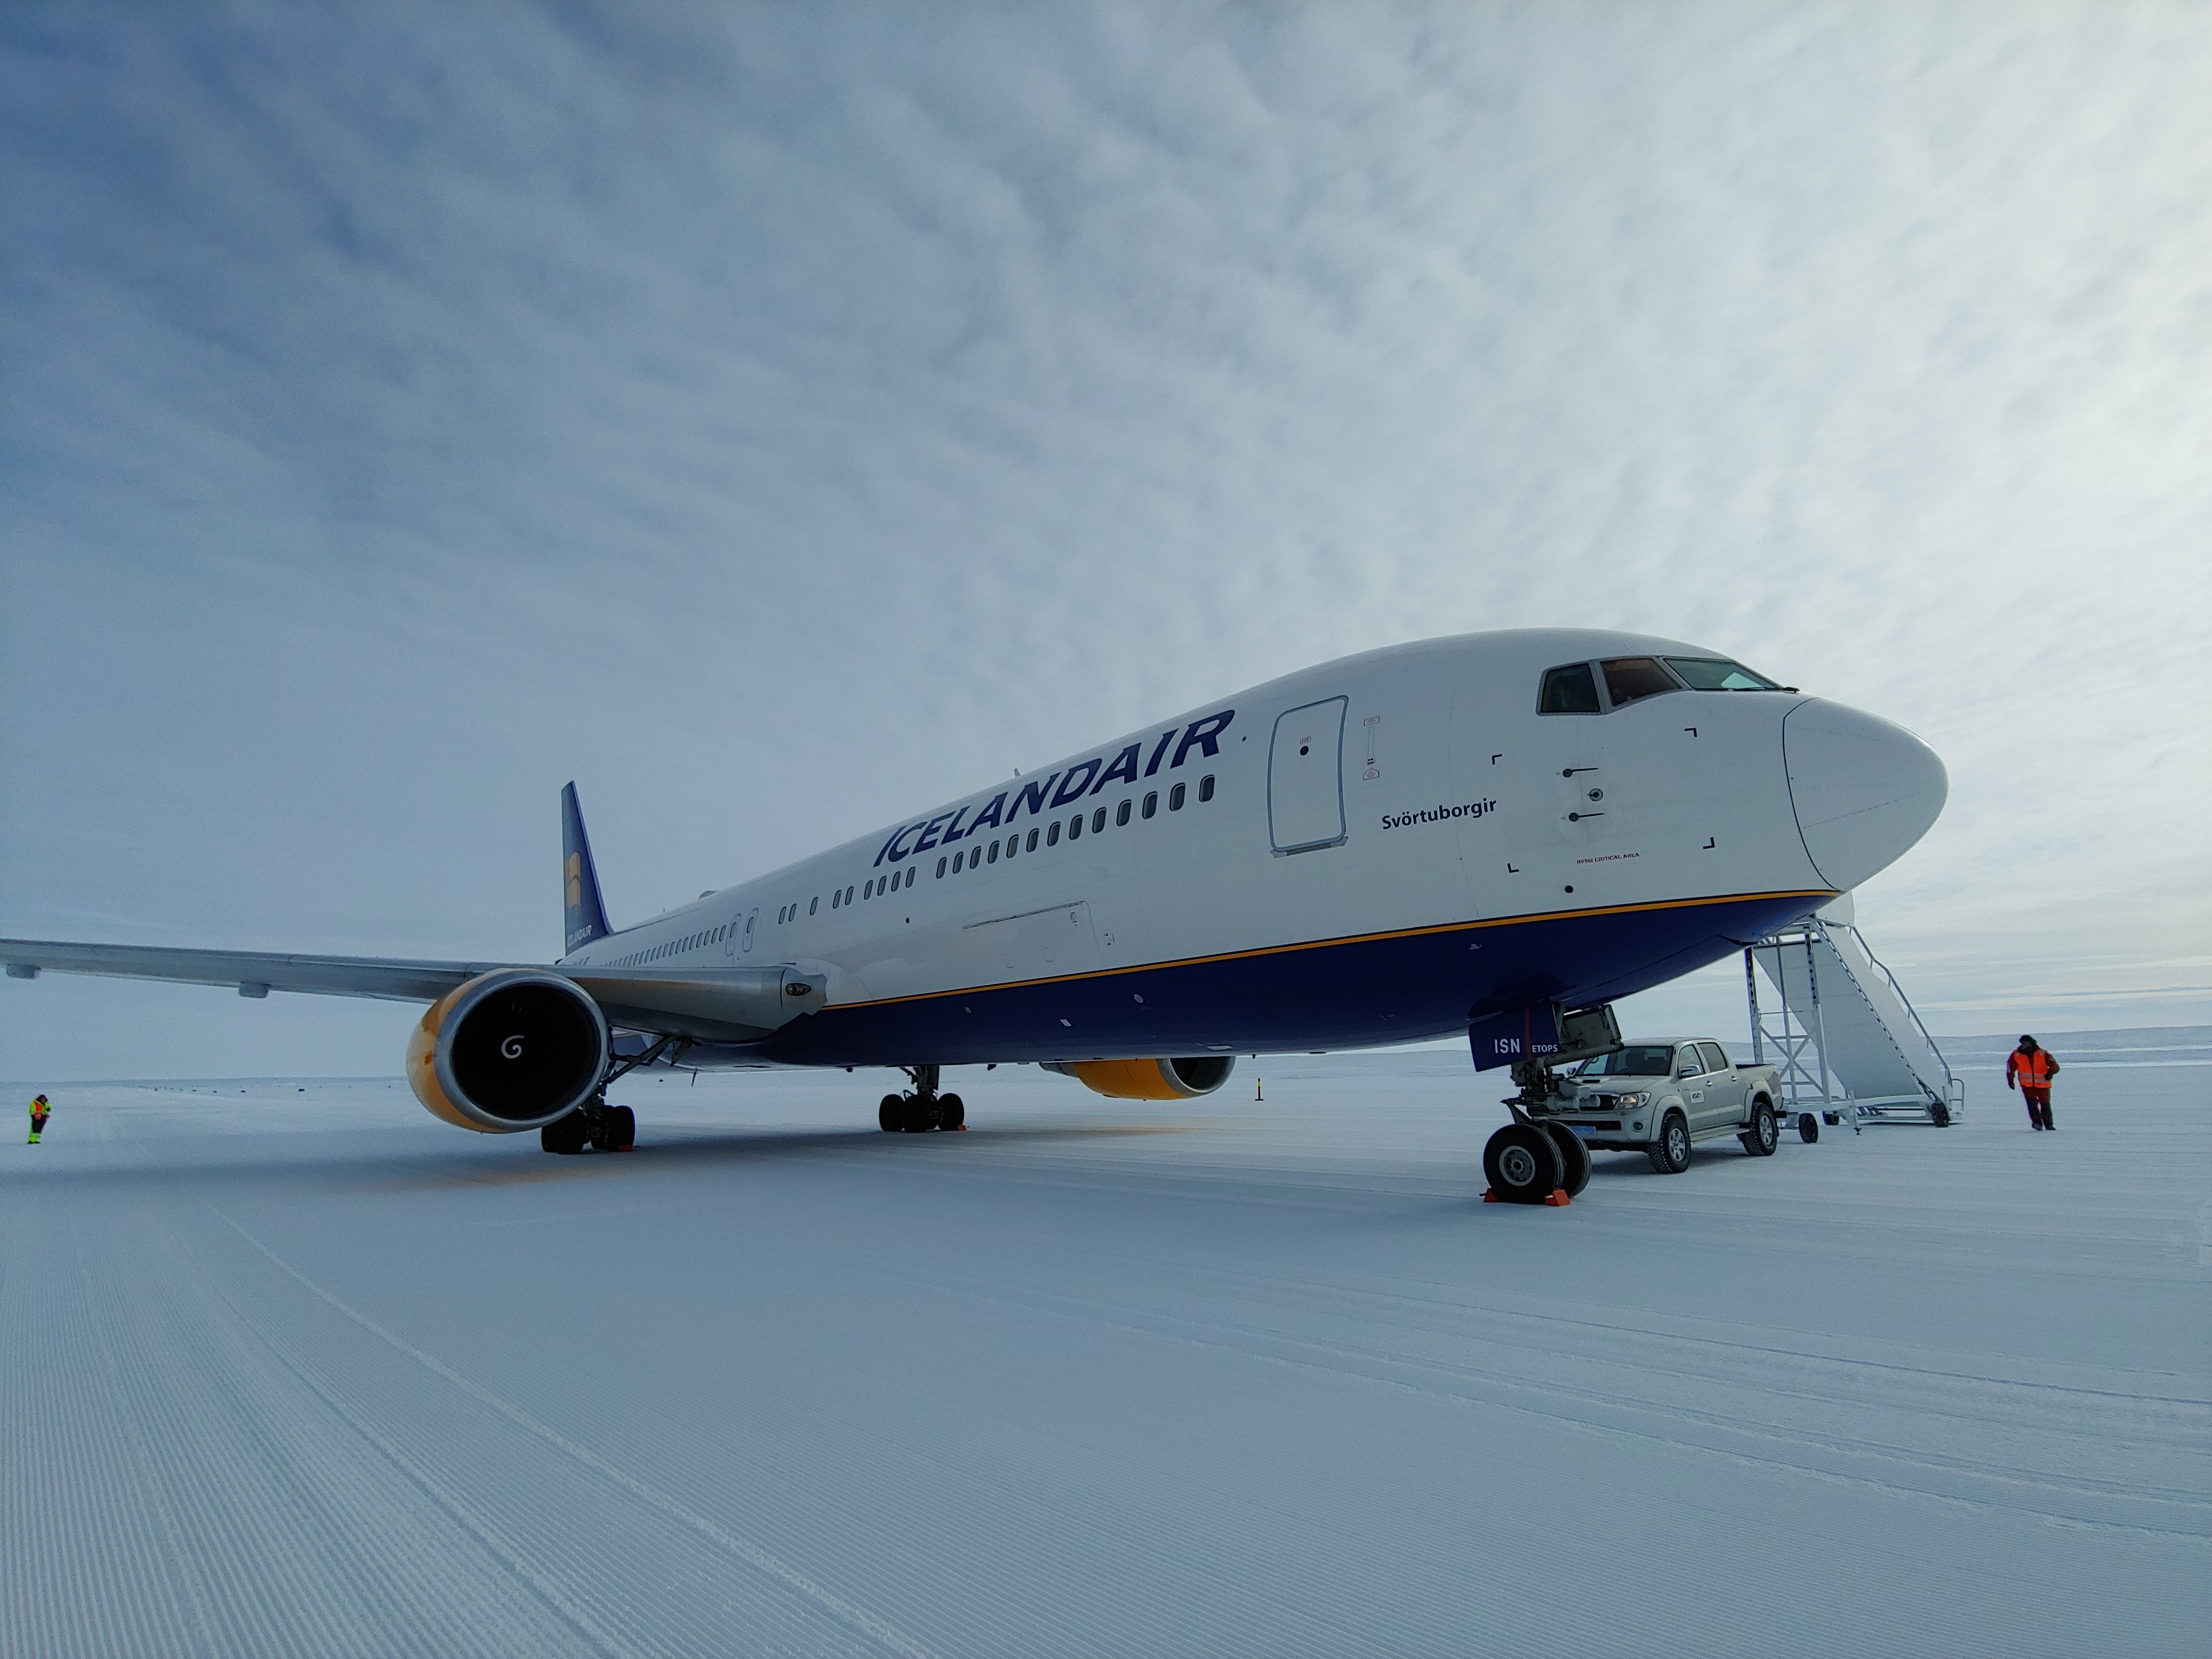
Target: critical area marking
x: 743, y: 1548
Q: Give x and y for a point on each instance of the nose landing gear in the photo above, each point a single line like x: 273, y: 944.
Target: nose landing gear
x: 923, y: 1109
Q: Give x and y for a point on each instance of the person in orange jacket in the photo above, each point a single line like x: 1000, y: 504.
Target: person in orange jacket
x: 39, y: 1113
x: 2034, y: 1068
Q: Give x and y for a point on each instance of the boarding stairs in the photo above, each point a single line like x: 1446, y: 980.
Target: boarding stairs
x: 1840, y: 1029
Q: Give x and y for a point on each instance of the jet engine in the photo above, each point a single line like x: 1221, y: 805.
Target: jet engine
x: 1148, y: 1079
x: 509, y: 1050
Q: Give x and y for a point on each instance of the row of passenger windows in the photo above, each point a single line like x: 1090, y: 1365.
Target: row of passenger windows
x: 875, y: 887
x: 1017, y: 843
x: 1572, y: 688
x: 998, y: 847
x: 674, y: 947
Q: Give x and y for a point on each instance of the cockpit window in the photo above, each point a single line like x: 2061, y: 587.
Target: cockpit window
x: 1627, y: 678
x: 1638, y: 1060
x: 1568, y: 690
x: 1718, y: 674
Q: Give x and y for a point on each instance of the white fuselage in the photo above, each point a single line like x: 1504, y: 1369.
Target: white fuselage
x: 1374, y: 850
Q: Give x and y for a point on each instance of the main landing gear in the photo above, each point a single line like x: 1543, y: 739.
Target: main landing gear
x: 595, y: 1124
x: 602, y: 1128
x: 923, y: 1109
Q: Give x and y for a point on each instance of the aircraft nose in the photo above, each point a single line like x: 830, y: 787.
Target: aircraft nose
x: 1865, y: 790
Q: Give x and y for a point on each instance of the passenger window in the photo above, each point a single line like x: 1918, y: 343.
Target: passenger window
x: 1151, y: 803
x: 813, y: 905
x: 993, y: 857
x: 836, y: 898
x: 940, y: 869
x: 848, y: 893
x: 1568, y: 690
x: 1075, y: 826
x: 911, y: 873
x: 868, y: 891
x: 1033, y: 841
x: 1122, y: 813
x: 1174, y: 799
x: 1627, y: 679
x: 959, y: 860
x: 1205, y: 788
x: 1013, y: 845
x: 1051, y: 836
x: 1097, y: 820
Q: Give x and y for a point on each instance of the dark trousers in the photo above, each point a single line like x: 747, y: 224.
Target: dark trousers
x: 2039, y: 1107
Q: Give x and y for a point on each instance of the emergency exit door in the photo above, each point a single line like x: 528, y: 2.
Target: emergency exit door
x: 1305, y: 778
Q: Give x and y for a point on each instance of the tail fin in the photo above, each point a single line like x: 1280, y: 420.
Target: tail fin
x: 585, y: 916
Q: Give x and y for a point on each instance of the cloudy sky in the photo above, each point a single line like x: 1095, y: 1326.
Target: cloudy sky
x: 776, y: 417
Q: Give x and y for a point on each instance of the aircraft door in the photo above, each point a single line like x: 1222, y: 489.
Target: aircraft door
x: 745, y: 942
x: 729, y: 934
x: 1305, y: 778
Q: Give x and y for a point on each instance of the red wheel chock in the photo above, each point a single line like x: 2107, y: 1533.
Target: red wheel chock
x: 1557, y: 1200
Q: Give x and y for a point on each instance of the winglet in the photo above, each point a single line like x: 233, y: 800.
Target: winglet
x: 584, y: 915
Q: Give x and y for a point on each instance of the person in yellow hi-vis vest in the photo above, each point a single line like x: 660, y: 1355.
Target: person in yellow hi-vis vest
x: 39, y: 1113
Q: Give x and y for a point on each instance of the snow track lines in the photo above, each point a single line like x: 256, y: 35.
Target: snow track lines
x: 303, y: 1373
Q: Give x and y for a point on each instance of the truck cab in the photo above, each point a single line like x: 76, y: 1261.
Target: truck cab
x: 1662, y: 1098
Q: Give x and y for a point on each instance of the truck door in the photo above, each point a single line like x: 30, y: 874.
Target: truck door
x: 1305, y: 778
x: 1690, y: 1081
x: 1723, y: 1084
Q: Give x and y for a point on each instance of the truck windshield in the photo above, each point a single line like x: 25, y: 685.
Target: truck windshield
x: 1718, y: 674
x: 1638, y: 1060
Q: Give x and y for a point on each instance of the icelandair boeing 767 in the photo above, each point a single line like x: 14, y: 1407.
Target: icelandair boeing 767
x: 1495, y: 834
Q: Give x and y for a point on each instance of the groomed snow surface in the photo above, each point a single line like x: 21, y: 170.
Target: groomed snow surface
x: 293, y: 1369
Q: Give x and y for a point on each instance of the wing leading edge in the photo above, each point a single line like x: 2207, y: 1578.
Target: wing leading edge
x: 717, y: 1004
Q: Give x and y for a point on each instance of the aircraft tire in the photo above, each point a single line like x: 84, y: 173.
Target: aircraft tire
x: 917, y: 1117
x: 1940, y: 1114
x: 1521, y: 1164
x: 951, y: 1112
x: 1574, y: 1158
x: 625, y: 1136
x: 1670, y: 1153
x: 891, y: 1116
x: 1764, y: 1133
x: 564, y: 1136
x: 1809, y: 1127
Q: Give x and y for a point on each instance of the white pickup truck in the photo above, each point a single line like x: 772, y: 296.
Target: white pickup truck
x: 1661, y: 1098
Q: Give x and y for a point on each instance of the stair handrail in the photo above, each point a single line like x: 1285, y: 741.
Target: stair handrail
x: 1950, y: 1078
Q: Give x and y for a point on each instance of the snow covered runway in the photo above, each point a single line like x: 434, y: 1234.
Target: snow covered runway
x: 297, y: 1369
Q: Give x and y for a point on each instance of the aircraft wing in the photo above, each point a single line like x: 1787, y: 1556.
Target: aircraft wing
x: 719, y: 1004
x: 255, y: 973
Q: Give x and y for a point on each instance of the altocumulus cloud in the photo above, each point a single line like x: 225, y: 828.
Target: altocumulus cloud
x: 776, y: 417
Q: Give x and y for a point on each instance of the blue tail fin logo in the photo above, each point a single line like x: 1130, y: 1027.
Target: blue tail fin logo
x: 584, y: 915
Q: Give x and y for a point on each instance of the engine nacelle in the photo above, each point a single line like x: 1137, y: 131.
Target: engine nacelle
x: 1148, y: 1079
x: 509, y: 1050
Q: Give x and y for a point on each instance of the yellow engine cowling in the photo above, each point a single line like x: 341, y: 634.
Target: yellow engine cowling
x: 1149, y: 1079
x: 510, y: 1050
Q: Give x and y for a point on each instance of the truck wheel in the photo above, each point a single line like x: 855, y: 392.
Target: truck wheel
x: 1809, y: 1127
x: 1521, y: 1163
x: 1764, y: 1133
x: 1574, y: 1158
x: 1670, y: 1153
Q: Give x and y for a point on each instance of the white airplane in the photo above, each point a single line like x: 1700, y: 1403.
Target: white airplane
x: 1494, y: 833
